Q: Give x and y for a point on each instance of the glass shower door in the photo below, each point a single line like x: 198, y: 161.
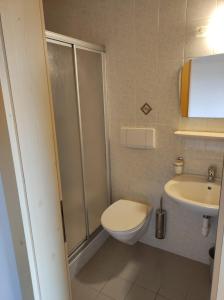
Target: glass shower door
x: 91, y: 99
x: 76, y: 73
x: 63, y: 82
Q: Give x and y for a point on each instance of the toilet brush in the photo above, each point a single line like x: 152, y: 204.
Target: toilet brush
x: 160, y: 221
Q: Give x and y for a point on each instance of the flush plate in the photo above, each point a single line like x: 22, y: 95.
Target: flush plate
x: 142, y: 138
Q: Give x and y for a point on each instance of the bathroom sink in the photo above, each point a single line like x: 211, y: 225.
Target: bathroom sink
x: 195, y: 192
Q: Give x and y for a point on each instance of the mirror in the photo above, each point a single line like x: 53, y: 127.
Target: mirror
x: 202, y: 87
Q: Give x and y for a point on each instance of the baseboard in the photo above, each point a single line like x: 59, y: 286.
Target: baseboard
x: 87, y: 253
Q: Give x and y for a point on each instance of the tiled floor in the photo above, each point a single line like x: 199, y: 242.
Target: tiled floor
x: 140, y: 272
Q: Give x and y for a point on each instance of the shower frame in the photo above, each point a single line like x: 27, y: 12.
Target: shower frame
x: 74, y: 43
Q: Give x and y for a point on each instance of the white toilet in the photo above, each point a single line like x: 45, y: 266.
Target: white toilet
x: 126, y: 220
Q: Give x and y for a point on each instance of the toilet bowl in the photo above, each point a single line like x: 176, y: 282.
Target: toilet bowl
x: 126, y: 220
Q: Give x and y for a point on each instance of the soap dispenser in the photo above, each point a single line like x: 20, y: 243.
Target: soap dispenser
x: 179, y: 165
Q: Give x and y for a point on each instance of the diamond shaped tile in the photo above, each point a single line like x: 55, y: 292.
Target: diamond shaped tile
x: 146, y: 108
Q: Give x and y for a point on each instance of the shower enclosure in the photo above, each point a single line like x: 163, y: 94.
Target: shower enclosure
x: 78, y: 91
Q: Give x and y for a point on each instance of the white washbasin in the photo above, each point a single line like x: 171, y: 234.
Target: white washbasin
x: 195, y: 192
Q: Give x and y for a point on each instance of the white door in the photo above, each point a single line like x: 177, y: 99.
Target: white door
x: 26, y: 96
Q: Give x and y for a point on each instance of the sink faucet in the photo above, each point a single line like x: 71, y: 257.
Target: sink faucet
x: 211, y: 173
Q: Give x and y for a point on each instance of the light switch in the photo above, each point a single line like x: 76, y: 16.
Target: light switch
x: 142, y: 138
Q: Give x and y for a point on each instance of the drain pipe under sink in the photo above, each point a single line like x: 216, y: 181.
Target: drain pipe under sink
x: 206, y: 225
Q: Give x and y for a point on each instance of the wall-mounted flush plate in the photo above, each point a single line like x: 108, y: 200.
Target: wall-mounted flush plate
x: 142, y: 138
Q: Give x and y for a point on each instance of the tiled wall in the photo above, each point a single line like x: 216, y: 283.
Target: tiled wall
x: 147, y: 41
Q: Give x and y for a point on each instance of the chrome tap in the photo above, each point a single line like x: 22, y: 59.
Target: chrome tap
x: 211, y: 173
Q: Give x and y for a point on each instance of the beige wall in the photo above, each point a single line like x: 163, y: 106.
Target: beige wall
x: 147, y: 42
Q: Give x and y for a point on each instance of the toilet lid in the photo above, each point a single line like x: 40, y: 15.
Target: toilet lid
x: 124, y: 215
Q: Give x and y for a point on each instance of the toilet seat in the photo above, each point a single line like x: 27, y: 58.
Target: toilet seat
x: 125, y: 215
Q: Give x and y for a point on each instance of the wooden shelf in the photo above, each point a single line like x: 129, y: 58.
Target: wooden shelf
x: 201, y: 134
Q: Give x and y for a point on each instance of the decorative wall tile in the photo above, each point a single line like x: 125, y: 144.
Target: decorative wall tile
x: 146, y: 108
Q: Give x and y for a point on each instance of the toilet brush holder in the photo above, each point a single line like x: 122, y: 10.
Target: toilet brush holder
x: 161, y: 221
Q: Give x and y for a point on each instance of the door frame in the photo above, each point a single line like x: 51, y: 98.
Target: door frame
x: 26, y: 97
x: 217, y: 292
